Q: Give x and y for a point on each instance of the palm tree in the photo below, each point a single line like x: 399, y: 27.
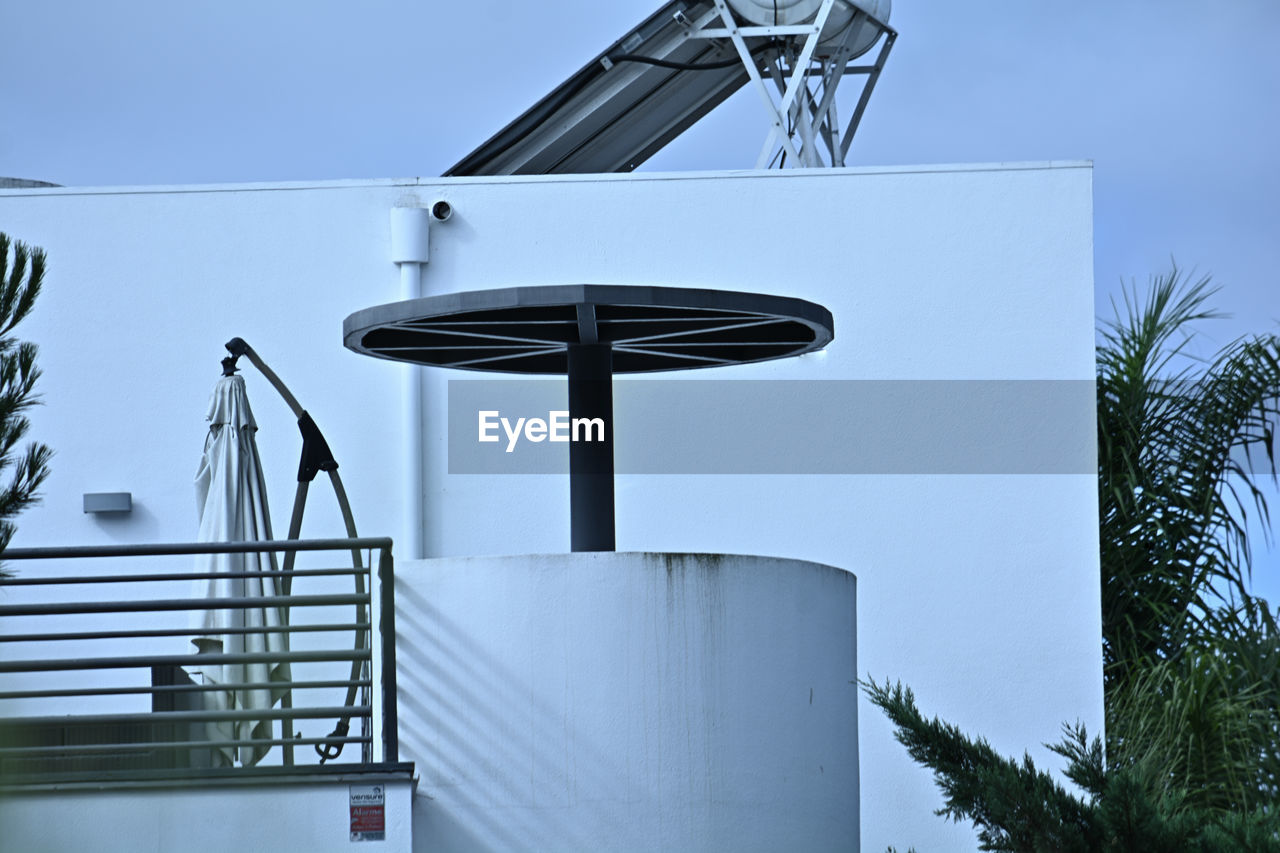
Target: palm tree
x: 1193, y: 691
x: 1177, y: 442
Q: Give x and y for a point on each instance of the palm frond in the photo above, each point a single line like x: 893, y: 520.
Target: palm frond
x: 1178, y: 445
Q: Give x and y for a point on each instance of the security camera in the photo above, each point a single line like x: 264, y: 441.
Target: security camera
x: 441, y: 211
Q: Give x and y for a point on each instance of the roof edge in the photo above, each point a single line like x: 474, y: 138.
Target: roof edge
x: 360, y: 183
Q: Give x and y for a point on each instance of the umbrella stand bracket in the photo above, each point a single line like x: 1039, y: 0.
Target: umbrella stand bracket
x: 316, y: 455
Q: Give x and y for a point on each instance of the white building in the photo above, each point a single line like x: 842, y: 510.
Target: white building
x: 977, y: 571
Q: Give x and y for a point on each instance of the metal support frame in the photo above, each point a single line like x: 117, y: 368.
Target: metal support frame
x: 802, y: 113
x: 591, y: 462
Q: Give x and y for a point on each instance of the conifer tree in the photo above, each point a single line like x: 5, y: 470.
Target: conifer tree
x: 22, y: 269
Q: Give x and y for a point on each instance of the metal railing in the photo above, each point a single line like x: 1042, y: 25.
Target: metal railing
x: 75, y: 700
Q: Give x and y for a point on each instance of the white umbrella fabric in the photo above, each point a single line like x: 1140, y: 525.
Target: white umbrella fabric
x: 231, y: 500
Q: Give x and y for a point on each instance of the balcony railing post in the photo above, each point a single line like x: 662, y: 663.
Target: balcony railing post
x: 387, y: 634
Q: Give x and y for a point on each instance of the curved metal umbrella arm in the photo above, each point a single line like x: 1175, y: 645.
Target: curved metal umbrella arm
x: 316, y: 457
x: 330, y: 752
x: 239, y: 347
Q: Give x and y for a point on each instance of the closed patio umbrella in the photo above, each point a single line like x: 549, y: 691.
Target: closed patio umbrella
x: 231, y: 500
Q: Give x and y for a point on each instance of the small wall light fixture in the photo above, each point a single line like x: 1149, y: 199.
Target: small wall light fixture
x: 111, y: 502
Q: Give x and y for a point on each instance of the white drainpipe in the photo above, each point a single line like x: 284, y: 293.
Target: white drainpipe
x: 410, y: 249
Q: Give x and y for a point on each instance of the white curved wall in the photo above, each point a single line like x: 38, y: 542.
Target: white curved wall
x: 629, y: 701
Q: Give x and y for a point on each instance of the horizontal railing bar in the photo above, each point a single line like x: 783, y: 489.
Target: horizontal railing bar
x: 170, y: 604
x: 84, y: 749
x: 191, y: 660
x: 161, y: 717
x: 108, y: 721
x: 180, y: 576
x: 180, y: 548
x: 180, y: 632
x: 27, y: 779
x: 178, y: 688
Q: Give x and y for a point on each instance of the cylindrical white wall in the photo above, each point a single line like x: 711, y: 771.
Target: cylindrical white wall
x: 629, y: 701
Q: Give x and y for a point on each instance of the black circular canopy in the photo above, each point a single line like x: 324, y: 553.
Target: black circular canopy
x: 589, y: 332
x: 530, y: 329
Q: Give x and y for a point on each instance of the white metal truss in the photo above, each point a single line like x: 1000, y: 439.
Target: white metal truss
x: 673, y: 68
x: 802, y: 112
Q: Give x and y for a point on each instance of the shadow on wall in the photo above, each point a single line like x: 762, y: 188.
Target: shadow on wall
x: 501, y: 767
x: 140, y: 524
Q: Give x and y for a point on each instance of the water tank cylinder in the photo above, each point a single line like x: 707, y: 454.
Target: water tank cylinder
x: 790, y: 12
x: 620, y: 701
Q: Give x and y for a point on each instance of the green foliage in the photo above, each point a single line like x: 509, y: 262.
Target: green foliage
x: 1013, y: 805
x: 1191, y: 658
x: 1207, y: 723
x: 1019, y: 809
x: 1176, y: 442
x: 21, y: 276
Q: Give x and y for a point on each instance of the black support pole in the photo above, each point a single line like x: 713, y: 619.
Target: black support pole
x: 591, y: 459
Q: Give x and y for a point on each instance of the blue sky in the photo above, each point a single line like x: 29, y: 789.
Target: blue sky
x: 1176, y: 103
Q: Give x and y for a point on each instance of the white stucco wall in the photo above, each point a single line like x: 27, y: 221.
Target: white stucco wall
x: 278, y: 816
x: 980, y: 591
